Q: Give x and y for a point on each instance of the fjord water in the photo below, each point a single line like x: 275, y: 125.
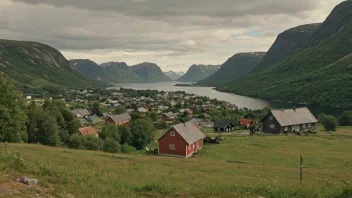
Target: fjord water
x: 240, y: 101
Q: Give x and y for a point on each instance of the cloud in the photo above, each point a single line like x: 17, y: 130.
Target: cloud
x: 173, y: 34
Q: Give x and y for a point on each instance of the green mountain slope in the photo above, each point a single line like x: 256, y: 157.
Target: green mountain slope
x: 120, y: 72
x: 234, y: 68
x: 36, y: 65
x: 88, y: 68
x: 320, y: 73
x: 150, y: 72
x: 198, y: 72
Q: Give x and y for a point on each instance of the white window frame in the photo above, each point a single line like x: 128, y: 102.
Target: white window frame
x: 286, y: 129
x: 272, y: 126
x: 193, y: 146
x: 172, y: 147
x: 172, y: 133
x: 271, y: 118
x: 309, y: 126
x: 304, y: 126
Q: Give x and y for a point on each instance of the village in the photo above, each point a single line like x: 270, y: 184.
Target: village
x: 181, y: 122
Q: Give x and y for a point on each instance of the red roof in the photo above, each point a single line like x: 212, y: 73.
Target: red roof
x: 88, y: 131
x: 246, y: 121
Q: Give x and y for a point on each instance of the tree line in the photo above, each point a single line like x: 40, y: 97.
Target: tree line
x: 53, y: 124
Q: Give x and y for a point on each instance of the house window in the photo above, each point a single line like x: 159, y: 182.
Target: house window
x: 304, y: 126
x: 172, y: 133
x: 286, y: 128
x: 193, y: 146
x: 309, y: 126
x: 197, y: 144
x: 172, y: 147
x: 271, y: 118
x: 272, y: 126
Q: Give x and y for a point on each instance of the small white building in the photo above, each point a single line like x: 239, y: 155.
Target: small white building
x: 29, y: 97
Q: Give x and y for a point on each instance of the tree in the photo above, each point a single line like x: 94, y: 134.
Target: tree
x: 153, y: 116
x: 126, y: 135
x: 143, y: 133
x: 329, y: 122
x: 96, y: 109
x: 12, y: 115
x: 111, y: 146
x: 77, y: 141
x: 135, y: 116
x: 110, y: 131
x: 162, y: 124
x: 119, y: 110
x: 346, y: 118
x: 93, y: 143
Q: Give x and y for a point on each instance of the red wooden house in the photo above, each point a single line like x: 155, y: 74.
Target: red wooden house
x: 181, y: 140
x: 85, y: 131
x: 246, y: 123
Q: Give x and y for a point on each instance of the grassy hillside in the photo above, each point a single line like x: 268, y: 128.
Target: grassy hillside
x: 198, y: 72
x: 234, y: 68
x: 241, y: 166
x: 35, y: 64
x: 320, y: 73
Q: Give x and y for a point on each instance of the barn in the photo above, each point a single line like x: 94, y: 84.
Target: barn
x: 223, y: 125
x: 181, y: 140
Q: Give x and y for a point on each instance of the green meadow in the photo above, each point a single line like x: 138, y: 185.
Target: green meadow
x: 241, y: 166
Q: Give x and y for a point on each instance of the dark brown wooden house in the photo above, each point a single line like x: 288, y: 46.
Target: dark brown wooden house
x: 224, y: 125
x: 289, y: 120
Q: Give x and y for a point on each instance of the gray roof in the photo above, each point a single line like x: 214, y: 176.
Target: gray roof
x: 222, y: 123
x: 82, y: 112
x: 94, y: 117
x: 169, y: 114
x: 142, y: 110
x: 120, y: 118
x: 289, y: 117
x: 188, y: 132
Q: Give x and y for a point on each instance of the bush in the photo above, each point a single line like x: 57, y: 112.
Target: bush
x: 329, y: 122
x: 111, y: 146
x: 110, y: 131
x: 76, y: 141
x: 127, y: 148
x: 346, y: 119
x: 93, y: 143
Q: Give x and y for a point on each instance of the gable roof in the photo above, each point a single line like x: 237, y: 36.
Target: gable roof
x: 82, y: 112
x: 94, y: 118
x: 289, y: 117
x: 246, y: 121
x: 142, y: 110
x: 169, y: 114
x: 87, y: 131
x: 120, y: 118
x: 188, y: 132
x: 222, y: 123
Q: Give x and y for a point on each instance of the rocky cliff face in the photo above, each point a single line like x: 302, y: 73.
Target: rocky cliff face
x: 36, y: 64
x: 174, y: 75
x: 234, y: 68
x: 198, y: 72
x: 150, y: 72
x: 88, y: 68
x: 120, y: 72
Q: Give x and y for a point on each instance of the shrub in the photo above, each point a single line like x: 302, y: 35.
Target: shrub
x: 111, y: 146
x: 93, y: 143
x: 76, y: 141
x: 346, y: 119
x: 127, y: 148
x: 329, y: 122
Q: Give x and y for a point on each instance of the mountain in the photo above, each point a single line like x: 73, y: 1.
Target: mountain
x: 150, y: 72
x: 234, y: 68
x: 198, y: 72
x: 174, y: 75
x: 88, y: 68
x: 36, y: 65
x: 317, y: 71
x: 120, y: 72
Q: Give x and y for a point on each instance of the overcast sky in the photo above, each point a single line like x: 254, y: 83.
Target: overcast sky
x: 172, y: 33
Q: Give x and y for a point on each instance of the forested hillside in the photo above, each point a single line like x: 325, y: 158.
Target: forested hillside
x: 318, y: 72
x: 36, y: 65
x: 234, y: 68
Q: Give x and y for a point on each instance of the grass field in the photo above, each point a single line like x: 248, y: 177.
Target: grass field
x: 238, y: 167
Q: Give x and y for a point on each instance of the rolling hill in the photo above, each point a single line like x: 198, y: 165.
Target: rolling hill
x: 198, y: 72
x: 234, y: 68
x: 34, y: 64
x: 317, y: 71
